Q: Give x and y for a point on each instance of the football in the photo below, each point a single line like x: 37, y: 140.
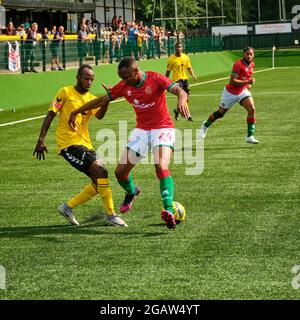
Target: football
x: 179, y: 212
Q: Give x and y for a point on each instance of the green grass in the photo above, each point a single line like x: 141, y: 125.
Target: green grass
x: 30, y: 90
x: 241, y: 237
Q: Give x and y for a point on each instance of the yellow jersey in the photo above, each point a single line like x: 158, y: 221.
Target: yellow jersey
x: 67, y: 100
x: 178, y: 65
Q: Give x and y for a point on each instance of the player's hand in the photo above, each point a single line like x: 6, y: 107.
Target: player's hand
x: 106, y: 87
x: 252, y: 81
x: 72, y: 121
x: 40, y: 150
x: 194, y: 78
x: 183, y: 109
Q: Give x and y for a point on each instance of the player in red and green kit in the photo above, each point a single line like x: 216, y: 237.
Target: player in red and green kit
x: 237, y: 91
x: 154, y: 131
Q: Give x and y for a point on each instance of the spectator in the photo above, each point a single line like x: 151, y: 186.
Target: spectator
x: 132, y: 39
x: 90, y: 28
x: 140, y: 40
x: 30, y: 45
x: 114, y: 45
x: 21, y: 31
x: 106, y: 37
x: 120, y: 21
x: 46, y: 33
x: 97, y: 27
x: 54, y: 46
x: 45, y: 37
x: 53, y: 30
x: 82, y: 40
x: 26, y: 24
x: 10, y: 30
x: 114, y: 23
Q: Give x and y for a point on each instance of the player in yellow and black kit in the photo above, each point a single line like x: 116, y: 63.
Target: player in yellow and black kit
x: 75, y: 145
x: 178, y: 63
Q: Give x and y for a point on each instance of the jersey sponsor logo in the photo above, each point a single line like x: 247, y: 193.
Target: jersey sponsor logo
x: 136, y: 104
x: 129, y: 93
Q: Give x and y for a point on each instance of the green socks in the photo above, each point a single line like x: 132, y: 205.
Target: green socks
x: 167, y: 192
x: 251, y: 126
x: 127, y: 185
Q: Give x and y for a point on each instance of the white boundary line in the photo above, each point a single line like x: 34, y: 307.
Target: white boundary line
x: 225, y: 78
x: 254, y: 94
x: 38, y: 117
x: 192, y: 85
x: 19, y: 121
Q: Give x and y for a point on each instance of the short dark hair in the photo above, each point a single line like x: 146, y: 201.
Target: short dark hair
x: 178, y: 44
x: 247, y: 49
x: 126, y: 63
x: 82, y: 67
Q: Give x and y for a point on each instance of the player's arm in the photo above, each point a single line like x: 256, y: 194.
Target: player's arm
x: 234, y: 81
x: 191, y: 72
x: 169, y: 68
x: 102, y: 110
x: 40, y: 147
x: 182, y: 100
x: 93, y: 104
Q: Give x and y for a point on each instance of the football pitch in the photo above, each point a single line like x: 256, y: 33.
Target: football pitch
x: 241, y: 237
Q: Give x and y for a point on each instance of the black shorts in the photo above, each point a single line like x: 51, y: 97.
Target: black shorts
x: 79, y: 157
x: 184, y: 84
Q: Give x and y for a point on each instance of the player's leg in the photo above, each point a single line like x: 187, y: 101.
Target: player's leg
x: 123, y: 174
x: 248, y: 104
x: 186, y: 88
x: 137, y: 148
x: 227, y: 101
x: 99, y: 176
x: 162, y: 141
x: 162, y: 157
x: 74, y: 155
x: 211, y: 119
x: 85, y: 160
x: 176, y: 110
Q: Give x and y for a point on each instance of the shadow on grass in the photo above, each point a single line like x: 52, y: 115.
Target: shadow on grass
x: 92, y: 226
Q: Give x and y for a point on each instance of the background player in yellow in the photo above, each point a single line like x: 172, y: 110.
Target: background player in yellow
x: 178, y: 63
x: 76, y: 147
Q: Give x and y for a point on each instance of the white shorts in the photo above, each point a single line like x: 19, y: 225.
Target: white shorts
x: 229, y: 99
x: 141, y: 141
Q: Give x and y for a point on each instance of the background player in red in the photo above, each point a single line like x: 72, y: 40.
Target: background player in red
x: 237, y: 91
x: 145, y: 91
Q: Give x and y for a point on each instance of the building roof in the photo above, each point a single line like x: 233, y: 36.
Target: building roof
x: 65, y: 5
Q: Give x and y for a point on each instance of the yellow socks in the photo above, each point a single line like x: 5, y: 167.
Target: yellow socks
x: 106, y: 194
x: 86, y: 194
x: 90, y: 191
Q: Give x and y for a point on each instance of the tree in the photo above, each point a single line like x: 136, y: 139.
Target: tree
x: 269, y: 11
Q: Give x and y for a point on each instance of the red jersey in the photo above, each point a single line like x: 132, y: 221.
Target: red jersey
x: 148, y: 100
x: 243, y: 71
